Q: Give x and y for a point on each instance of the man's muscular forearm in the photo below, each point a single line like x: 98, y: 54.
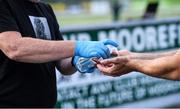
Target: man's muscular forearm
x: 24, y: 49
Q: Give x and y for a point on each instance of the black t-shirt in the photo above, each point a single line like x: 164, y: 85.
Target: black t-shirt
x: 26, y: 84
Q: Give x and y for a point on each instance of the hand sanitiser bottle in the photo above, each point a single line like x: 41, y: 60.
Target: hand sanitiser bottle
x: 87, y: 65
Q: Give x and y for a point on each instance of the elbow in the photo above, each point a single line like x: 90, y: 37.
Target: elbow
x: 13, y: 52
x: 10, y: 44
x: 13, y: 56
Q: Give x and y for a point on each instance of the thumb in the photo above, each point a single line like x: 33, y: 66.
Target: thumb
x: 110, y: 42
x: 94, y: 54
x: 123, y: 52
x: 116, y: 60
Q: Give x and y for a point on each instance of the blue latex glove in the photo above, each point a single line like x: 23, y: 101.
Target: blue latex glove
x: 98, y: 49
x: 84, y: 65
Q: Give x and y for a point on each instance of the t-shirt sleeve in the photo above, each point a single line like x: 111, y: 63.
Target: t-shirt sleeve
x: 7, y: 21
x: 57, y: 28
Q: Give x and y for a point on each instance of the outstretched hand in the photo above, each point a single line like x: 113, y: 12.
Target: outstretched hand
x: 115, y: 66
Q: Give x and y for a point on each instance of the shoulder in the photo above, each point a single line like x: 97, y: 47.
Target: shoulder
x: 46, y: 5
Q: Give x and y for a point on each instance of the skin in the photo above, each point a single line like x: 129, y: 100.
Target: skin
x: 30, y: 50
x: 161, y: 65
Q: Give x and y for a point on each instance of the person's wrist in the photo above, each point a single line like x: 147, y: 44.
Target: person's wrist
x: 78, y: 44
x: 76, y: 48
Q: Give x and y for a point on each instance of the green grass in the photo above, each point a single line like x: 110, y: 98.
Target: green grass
x: 83, y: 19
x: 167, y: 8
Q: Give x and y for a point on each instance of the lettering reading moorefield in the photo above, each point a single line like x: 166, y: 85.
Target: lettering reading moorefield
x: 137, y: 38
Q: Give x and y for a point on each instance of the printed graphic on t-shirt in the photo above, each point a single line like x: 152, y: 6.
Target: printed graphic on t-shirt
x: 40, y: 26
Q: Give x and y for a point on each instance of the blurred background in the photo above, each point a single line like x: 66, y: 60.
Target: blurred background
x: 82, y: 12
x: 137, y: 25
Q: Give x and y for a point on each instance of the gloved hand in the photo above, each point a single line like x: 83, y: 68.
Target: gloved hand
x: 87, y: 65
x: 84, y: 65
x: 98, y: 49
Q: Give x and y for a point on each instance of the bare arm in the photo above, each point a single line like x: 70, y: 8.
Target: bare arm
x: 167, y: 67
x: 163, y: 65
x: 151, y: 55
x: 30, y: 50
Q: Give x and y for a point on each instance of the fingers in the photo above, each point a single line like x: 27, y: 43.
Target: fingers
x: 101, y: 51
x: 116, y: 60
x: 110, y: 42
x: 108, y: 61
x: 120, y: 53
x: 96, y: 61
x: 115, y: 70
x: 103, y: 68
x: 106, y: 52
x: 123, y: 71
x: 95, y: 54
x: 123, y: 53
x: 110, y: 71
